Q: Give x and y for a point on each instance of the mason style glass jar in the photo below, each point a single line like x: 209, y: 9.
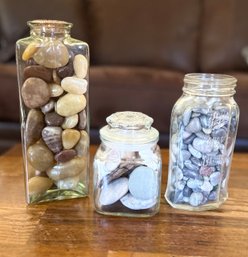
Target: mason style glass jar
x: 127, y: 167
x: 202, y: 137
x: 53, y: 89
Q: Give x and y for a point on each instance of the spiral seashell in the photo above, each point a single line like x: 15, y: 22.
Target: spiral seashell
x: 52, y: 137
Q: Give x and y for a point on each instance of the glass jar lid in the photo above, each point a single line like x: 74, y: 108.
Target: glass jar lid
x: 130, y: 128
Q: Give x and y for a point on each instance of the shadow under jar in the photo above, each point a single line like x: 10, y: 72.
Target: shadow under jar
x: 53, y: 88
x: 127, y: 167
x: 202, y: 137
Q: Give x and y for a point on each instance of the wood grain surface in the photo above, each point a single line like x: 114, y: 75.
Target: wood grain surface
x: 73, y: 228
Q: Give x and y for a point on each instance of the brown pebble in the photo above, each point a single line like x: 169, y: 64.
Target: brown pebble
x: 65, y: 155
x: 65, y: 71
x: 35, y: 92
x: 53, y: 119
x: 38, y: 71
x: 34, y: 125
x: 39, y: 185
x: 40, y: 157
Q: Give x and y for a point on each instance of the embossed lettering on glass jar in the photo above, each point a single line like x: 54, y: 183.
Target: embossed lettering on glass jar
x: 53, y: 88
x: 127, y: 167
x: 202, y: 137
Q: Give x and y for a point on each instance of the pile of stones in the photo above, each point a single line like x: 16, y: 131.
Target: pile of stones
x: 125, y: 185
x: 202, y: 142
x: 54, y: 97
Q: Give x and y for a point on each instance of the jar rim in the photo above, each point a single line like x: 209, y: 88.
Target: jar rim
x: 209, y: 78
x: 209, y: 84
x: 49, y: 23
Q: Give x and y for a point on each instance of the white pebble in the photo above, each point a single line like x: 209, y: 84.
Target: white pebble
x: 80, y: 65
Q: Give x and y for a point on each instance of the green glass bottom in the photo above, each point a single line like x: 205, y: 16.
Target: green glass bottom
x: 59, y: 194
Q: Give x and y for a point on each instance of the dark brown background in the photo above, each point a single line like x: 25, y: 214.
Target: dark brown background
x: 140, y: 51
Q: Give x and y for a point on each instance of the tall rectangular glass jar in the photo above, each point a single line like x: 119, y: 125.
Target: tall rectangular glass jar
x: 53, y: 77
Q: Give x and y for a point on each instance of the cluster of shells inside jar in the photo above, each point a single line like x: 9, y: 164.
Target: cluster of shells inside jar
x: 202, y: 142
x: 54, y: 92
x: 127, y: 182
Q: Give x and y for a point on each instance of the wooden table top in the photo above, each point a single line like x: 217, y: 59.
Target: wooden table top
x: 73, y: 228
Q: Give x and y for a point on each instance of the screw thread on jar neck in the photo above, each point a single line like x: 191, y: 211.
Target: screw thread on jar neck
x: 49, y: 28
x: 214, y: 85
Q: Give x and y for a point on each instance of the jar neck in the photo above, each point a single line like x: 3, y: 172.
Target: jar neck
x: 213, y: 85
x: 49, y: 28
x: 124, y: 146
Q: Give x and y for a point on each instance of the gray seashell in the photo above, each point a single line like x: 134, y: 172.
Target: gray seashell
x: 202, y: 145
x: 52, y: 138
x: 196, y: 199
x: 194, y: 152
x: 137, y: 204
x: 194, y: 126
x: 186, y: 117
x: 189, y: 165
